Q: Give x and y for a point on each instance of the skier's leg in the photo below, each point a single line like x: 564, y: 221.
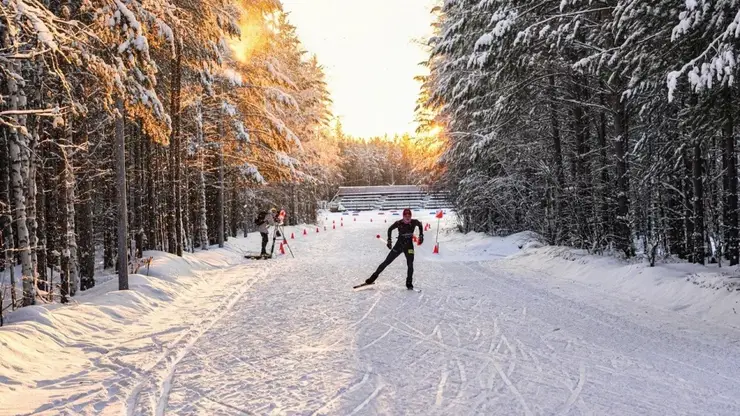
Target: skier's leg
x: 409, y: 252
x: 388, y: 260
x: 272, y: 249
x: 264, y: 243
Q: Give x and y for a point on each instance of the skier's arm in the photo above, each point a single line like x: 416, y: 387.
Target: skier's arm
x: 421, y: 231
x: 391, y: 228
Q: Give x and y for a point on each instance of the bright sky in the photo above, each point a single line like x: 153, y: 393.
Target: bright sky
x: 370, y: 54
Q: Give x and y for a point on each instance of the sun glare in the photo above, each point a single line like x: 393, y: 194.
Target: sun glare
x: 252, y: 38
x: 371, y: 55
x: 434, y: 131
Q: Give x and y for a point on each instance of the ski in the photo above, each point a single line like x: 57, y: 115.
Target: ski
x: 256, y: 257
x: 362, y: 285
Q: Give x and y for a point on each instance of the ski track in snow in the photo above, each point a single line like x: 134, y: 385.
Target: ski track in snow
x: 296, y: 339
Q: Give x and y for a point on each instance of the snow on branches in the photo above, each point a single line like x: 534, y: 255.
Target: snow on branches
x: 718, y: 22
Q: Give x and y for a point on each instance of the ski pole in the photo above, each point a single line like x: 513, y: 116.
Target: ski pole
x: 378, y: 237
x: 436, y: 240
x: 285, y: 240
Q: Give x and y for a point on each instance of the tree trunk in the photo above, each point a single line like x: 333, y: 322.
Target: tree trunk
x: 53, y: 202
x: 122, y: 208
x: 152, y: 208
x: 623, y: 235
x: 583, y: 180
x: 606, y: 217
x: 19, y: 142
x: 202, y: 210
x: 730, y: 182
x: 134, y: 133
x: 698, y: 171
x: 175, y: 144
x: 64, y: 258
x: 141, y: 182
x: 675, y: 230
x: 7, y: 226
x: 34, y: 166
x: 688, y: 188
x: 292, y: 215
x: 84, y: 221
x: 187, y: 227
x: 171, y: 202
x: 164, y: 217
x: 560, y: 221
x: 109, y: 243
x: 41, y: 215
x: 31, y: 201
x: 235, y: 208
x: 201, y: 179
x: 221, y: 213
x: 70, y: 235
x: 87, y: 242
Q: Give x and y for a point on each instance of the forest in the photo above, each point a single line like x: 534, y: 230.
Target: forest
x: 609, y: 126
x: 128, y: 126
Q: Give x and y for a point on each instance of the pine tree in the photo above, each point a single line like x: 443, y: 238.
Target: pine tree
x: 574, y: 119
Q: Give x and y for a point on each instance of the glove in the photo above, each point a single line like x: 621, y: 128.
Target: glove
x: 421, y: 239
x: 390, y: 244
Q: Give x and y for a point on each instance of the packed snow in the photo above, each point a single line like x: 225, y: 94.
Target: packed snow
x: 501, y: 326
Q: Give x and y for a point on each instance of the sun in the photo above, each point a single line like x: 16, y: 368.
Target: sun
x: 253, y: 38
x: 435, y: 131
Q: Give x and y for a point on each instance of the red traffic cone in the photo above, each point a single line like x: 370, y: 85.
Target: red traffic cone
x: 334, y: 227
x: 436, y: 249
x: 371, y: 220
x: 292, y: 236
x: 282, y: 249
x: 304, y: 232
x: 341, y: 224
x: 317, y: 229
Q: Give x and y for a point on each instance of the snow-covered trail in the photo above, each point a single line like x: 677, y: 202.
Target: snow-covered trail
x: 290, y: 336
x: 476, y: 340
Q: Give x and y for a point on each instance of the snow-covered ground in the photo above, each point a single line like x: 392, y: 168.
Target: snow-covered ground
x: 495, y: 330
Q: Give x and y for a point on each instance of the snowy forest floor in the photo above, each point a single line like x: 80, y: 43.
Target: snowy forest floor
x: 495, y: 330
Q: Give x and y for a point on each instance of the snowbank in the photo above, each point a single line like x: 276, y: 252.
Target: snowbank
x: 167, y: 276
x: 455, y: 246
x: 707, y: 292
x: 104, y: 318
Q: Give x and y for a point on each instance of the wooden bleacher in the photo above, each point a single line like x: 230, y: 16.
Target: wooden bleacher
x: 368, y: 198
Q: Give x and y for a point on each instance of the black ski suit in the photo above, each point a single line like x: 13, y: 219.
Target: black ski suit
x: 405, y: 245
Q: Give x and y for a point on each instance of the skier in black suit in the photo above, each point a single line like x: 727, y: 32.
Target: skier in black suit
x: 404, y: 244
